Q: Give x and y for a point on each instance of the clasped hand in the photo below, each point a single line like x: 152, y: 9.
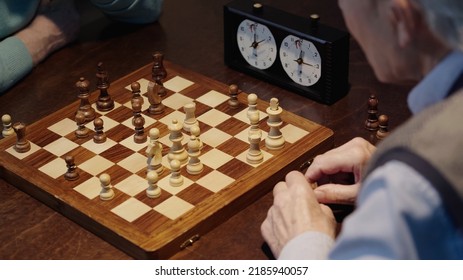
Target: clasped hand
x: 297, y: 208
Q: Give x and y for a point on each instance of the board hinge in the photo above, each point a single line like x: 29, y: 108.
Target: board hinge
x: 189, y: 241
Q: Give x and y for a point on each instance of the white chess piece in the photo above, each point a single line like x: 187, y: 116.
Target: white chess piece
x: 194, y: 166
x: 177, y: 151
x: 7, y: 126
x: 154, y: 152
x: 153, y: 189
x: 190, y: 118
x: 274, y: 139
x: 176, y: 179
x: 107, y: 192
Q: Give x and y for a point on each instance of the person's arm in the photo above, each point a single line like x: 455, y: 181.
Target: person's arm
x: 131, y: 11
x: 15, y: 62
x: 399, y: 215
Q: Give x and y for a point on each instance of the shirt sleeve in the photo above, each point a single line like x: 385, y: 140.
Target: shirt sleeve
x: 311, y: 245
x: 131, y: 11
x: 15, y: 62
x: 399, y: 215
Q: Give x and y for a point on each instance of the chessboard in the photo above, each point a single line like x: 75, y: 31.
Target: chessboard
x: 156, y: 228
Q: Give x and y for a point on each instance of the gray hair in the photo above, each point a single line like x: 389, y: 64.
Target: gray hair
x: 445, y: 18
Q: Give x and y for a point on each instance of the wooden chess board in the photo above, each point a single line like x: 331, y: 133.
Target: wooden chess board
x: 157, y: 228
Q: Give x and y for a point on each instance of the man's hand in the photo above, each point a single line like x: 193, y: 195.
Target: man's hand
x: 331, y: 169
x: 295, y: 210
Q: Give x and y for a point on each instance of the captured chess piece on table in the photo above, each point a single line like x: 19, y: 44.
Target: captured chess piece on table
x: 7, y: 126
x: 372, y: 121
x: 383, y: 130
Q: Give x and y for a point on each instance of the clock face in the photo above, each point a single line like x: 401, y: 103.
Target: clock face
x: 257, y: 44
x: 300, y: 60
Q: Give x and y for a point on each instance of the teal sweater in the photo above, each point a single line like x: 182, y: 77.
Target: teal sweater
x: 15, y: 60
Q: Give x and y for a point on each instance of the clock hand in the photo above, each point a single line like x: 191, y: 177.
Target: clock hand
x: 255, y: 44
x: 301, y: 61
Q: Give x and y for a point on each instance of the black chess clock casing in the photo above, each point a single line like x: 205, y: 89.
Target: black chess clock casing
x: 296, y: 53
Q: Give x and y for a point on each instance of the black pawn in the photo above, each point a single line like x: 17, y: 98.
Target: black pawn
x: 383, y: 130
x: 100, y: 136
x: 71, y: 174
x: 372, y: 121
x: 22, y: 144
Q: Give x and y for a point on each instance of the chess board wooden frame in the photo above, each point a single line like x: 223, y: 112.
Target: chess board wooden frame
x: 172, y: 236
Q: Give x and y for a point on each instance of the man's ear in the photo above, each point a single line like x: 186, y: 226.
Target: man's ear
x: 406, y: 19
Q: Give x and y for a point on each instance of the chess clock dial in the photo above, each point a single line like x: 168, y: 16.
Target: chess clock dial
x: 299, y: 54
x: 257, y: 44
x: 301, y: 60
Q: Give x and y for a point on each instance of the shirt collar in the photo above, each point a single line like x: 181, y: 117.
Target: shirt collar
x: 436, y: 85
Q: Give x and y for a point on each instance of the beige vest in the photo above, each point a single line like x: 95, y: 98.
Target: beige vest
x: 432, y: 143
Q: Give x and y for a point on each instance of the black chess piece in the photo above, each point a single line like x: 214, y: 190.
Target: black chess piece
x: 71, y: 174
x: 372, y: 121
x: 104, y: 102
x: 158, y: 72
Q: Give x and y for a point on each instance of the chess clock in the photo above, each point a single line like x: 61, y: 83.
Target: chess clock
x: 296, y: 53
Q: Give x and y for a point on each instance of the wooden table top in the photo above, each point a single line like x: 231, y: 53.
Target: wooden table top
x: 190, y: 34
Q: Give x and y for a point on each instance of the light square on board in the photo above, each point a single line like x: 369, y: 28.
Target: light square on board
x: 63, y: 127
x: 293, y: 133
x: 213, y: 98
x: 213, y: 117
x: 215, y: 181
x: 54, y: 168
x: 116, y: 105
x: 143, y: 86
x: 242, y: 157
x: 177, y: 84
x: 129, y: 142
x: 165, y: 185
x: 131, y: 209
x: 215, y: 158
x: 90, y: 188
x: 148, y: 121
x: 214, y: 137
x: 175, y: 115
x: 108, y: 123
x: 243, y: 115
x: 244, y: 135
x: 96, y: 165
x: 12, y: 151
x: 60, y: 146
x: 98, y: 148
x: 132, y: 185
x: 134, y: 162
x: 176, y: 101
x: 173, y: 207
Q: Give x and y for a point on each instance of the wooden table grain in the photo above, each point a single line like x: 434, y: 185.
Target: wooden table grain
x: 189, y: 32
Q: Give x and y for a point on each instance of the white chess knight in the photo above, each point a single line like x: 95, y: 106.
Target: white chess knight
x: 154, y: 152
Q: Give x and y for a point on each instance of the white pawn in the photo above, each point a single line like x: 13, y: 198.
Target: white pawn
x: 195, y: 166
x: 153, y: 189
x: 274, y: 139
x: 7, y: 127
x: 177, y: 151
x: 254, y: 121
x: 176, y: 179
x: 154, y: 152
x: 190, y: 118
x: 195, y: 131
x: 107, y: 192
x: 252, y: 104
